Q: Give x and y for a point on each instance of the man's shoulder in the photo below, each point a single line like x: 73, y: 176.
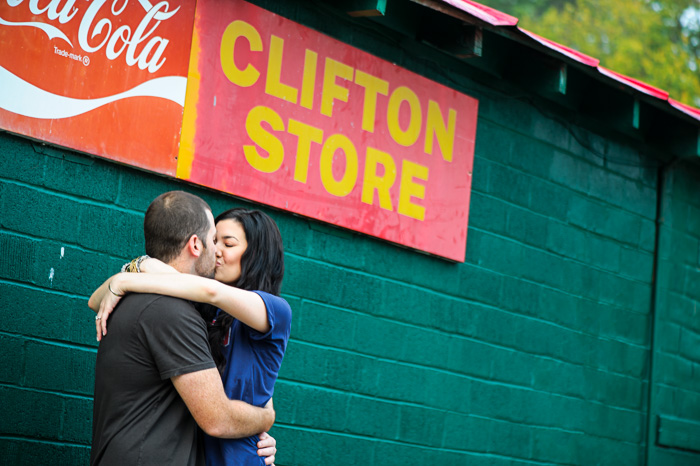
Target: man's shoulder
x: 151, y: 299
x: 148, y: 305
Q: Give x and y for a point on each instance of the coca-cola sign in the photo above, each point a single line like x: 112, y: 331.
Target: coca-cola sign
x: 103, y: 77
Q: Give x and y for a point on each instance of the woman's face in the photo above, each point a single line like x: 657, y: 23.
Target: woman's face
x: 230, y: 245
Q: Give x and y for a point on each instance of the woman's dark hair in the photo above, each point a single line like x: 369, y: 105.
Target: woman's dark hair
x: 262, y: 268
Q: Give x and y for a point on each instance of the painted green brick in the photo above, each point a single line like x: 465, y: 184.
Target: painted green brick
x: 23, y: 451
x: 479, y: 284
x: 374, y: 418
x: 119, y: 233
x: 20, y: 161
x: 690, y: 345
x: 526, y: 227
x: 46, y: 314
x: 59, y: 217
x: 138, y: 189
x: 356, y: 451
x: 72, y: 173
x: 77, y: 420
x: 508, y: 184
x: 325, y: 324
x: 547, y: 199
x: 324, y: 409
x: 29, y: 413
x: 12, y: 371
x: 523, y: 297
x: 421, y: 426
x: 487, y: 212
x: 387, y: 339
x: 572, y: 172
x: 554, y: 445
x: 61, y: 368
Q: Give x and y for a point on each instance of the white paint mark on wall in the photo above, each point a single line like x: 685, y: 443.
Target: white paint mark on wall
x: 51, y: 276
x: 63, y: 250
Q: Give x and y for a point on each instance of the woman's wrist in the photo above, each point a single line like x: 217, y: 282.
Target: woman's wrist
x: 114, y: 290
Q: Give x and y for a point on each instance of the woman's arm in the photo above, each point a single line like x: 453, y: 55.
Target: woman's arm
x: 150, y: 265
x: 246, y: 306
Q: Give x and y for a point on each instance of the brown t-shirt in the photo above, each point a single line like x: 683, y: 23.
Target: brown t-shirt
x: 138, y: 416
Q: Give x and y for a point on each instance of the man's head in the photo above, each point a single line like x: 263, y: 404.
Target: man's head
x: 179, y: 230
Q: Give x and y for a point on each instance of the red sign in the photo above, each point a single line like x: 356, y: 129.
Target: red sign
x: 108, y: 78
x: 283, y: 115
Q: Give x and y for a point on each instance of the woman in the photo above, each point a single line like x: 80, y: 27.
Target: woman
x: 249, y: 323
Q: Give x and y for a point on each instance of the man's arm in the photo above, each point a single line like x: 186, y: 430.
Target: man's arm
x: 203, y: 393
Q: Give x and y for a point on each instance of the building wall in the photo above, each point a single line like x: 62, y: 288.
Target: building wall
x: 536, y: 350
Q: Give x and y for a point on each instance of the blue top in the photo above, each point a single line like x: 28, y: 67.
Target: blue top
x: 253, y: 360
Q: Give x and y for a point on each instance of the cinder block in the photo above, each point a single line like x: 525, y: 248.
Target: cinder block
x: 421, y: 426
x: 12, y: 371
x: 487, y: 212
x: 328, y: 325
x: 77, y: 420
x: 19, y: 160
x: 527, y: 227
x: 31, y: 414
x: 77, y: 174
x: 39, y: 453
x: 59, y: 368
x: 113, y: 231
x: 383, y: 338
x: 372, y: 417
x: 39, y: 213
x: 46, y: 314
x: 551, y: 200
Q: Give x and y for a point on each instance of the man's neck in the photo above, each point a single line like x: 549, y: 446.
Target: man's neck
x: 182, y: 265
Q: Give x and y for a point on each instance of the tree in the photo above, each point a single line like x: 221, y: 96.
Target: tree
x: 657, y: 42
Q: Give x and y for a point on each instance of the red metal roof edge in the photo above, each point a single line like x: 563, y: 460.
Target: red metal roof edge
x: 569, y: 52
x: 687, y: 109
x: 635, y: 83
x: 484, y: 13
x: 498, y: 18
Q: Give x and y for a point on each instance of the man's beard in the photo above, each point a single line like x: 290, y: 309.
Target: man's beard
x: 205, y: 266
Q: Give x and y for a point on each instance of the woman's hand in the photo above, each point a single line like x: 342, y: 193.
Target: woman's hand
x: 107, y: 305
x: 267, y: 447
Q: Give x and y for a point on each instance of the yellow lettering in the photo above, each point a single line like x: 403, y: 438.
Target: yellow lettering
x: 306, y: 135
x: 343, y: 186
x: 410, y: 136
x: 331, y: 90
x: 409, y: 189
x: 264, y: 139
x: 242, y: 77
x: 308, y: 81
x: 373, y: 86
x: 373, y: 182
x: 445, y: 134
x: 273, y: 84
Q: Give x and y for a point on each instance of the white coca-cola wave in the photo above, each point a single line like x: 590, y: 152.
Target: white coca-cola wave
x: 51, y: 31
x: 18, y: 96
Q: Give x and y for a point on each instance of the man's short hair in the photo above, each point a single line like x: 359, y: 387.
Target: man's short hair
x: 171, y: 220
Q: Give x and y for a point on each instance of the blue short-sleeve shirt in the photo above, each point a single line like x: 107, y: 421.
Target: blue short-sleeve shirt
x: 253, y: 360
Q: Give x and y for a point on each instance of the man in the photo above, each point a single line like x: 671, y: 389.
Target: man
x: 155, y: 379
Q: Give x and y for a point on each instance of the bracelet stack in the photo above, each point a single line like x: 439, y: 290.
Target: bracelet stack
x: 135, y: 264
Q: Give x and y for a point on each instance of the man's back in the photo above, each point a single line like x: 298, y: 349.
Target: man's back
x: 139, y: 417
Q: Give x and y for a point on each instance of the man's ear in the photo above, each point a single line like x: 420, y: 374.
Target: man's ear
x: 194, y: 246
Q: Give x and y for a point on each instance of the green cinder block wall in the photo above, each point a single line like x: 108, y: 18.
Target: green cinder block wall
x: 558, y: 341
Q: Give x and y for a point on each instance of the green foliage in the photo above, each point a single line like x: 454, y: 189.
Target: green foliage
x: 655, y: 42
